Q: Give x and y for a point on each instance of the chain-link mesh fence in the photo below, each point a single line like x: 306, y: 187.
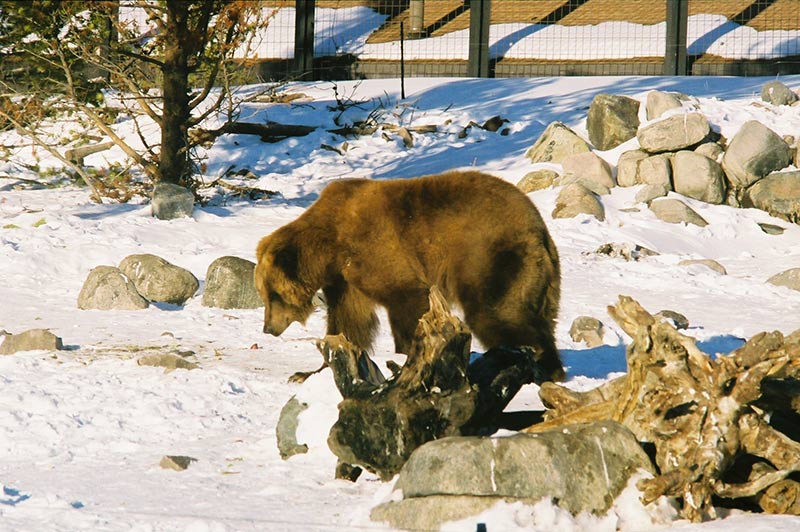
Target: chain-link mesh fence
x: 345, y: 39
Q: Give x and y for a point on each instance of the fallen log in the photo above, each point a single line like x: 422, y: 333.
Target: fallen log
x: 700, y: 414
x: 268, y: 131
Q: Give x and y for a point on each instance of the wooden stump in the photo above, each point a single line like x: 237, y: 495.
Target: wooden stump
x: 435, y: 394
x: 700, y: 414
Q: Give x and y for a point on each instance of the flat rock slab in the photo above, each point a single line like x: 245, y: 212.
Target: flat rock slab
x: 32, y: 340
x: 675, y: 212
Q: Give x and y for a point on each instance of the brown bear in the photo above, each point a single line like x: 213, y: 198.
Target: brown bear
x: 386, y: 242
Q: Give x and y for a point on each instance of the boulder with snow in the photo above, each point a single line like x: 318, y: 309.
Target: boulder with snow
x: 589, y: 170
x: 582, y: 467
x: 537, y: 180
x: 659, y: 102
x: 31, y: 340
x: 753, y: 153
x: 698, y: 177
x: 170, y: 201
x: 575, y: 199
x: 777, y: 93
x: 778, y: 194
x: 612, y: 120
x: 159, y: 280
x: 675, y: 211
x: 588, y: 330
x: 674, y: 133
x: 107, y: 288
x: 556, y: 143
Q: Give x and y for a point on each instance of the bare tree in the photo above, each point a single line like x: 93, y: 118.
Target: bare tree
x: 168, y: 61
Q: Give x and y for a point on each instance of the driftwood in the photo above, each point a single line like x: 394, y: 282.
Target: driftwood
x: 701, y: 415
x: 268, y: 131
x: 437, y: 393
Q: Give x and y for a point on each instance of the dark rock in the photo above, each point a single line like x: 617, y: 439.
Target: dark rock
x: 612, y: 120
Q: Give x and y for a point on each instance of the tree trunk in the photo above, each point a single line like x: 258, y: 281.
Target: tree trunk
x: 174, y: 165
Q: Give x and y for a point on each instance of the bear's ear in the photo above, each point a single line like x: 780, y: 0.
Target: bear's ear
x: 287, y: 258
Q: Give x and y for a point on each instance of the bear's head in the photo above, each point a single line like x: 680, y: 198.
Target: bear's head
x: 279, y: 281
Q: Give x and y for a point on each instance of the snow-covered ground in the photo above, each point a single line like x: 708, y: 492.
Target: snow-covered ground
x: 82, y: 431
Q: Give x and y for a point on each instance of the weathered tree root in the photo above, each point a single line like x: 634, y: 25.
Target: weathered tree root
x: 701, y: 414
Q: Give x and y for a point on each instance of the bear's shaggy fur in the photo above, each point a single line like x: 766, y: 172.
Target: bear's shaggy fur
x: 369, y: 242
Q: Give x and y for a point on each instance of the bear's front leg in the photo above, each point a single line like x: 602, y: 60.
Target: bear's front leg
x: 351, y: 313
x: 405, y: 310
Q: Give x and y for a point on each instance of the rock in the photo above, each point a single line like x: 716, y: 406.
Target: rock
x: 171, y: 201
x: 778, y: 194
x: 159, y: 280
x: 177, y: 463
x: 626, y: 251
x: 771, y: 229
x: 628, y: 167
x: 583, y: 468
x: 650, y: 192
x: 709, y: 263
x: 31, y: 340
x: 674, y: 133
x: 655, y: 170
x: 555, y: 143
x: 587, y: 329
x: 587, y: 169
x: 576, y: 199
x: 229, y: 284
x: 675, y: 211
x: 107, y: 288
x: 777, y: 93
x: 660, y: 102
x: 712, y: 150
x: 168, y: 361
x: 286, y: 430
x: 754, y: 152
x: 612, y: 120
x: 790, y: 279
x: 698, y: 177
x: 678, y: 320
x: 537, y: 180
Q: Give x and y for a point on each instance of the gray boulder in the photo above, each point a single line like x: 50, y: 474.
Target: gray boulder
x: 589, y: 170
x: 286, y: 430
x: 778, y: 194
x: 537, y: 180
x: 575, y: 199
x: 583, y: 468
x: 790, y: 279
x: 31, y: 340
x: 555, y: 143
x: 107, y: 288
x: 171, y: 201
x: 754, y: 152
x: 628, y: 167
x: 650, y: 192
x: 655, y: 170
x: 612, y: 120
x: 587, y: 329
x: 659, y: 103
x: 674, y: 133
x: 777, y: 93
x: 698, y: 177
x: 712, y: 150
x: 159, y: 280
x: 230, y: 284
x: 675, y: 212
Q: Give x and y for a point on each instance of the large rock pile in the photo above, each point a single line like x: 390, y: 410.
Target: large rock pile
x: 678, y: 151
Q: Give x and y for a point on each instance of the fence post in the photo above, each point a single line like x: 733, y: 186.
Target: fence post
x: 479, y: 15
x: 304, y: 38
x: 677, y: 24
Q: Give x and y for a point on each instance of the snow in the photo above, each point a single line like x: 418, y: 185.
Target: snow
x: 82, y: 431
